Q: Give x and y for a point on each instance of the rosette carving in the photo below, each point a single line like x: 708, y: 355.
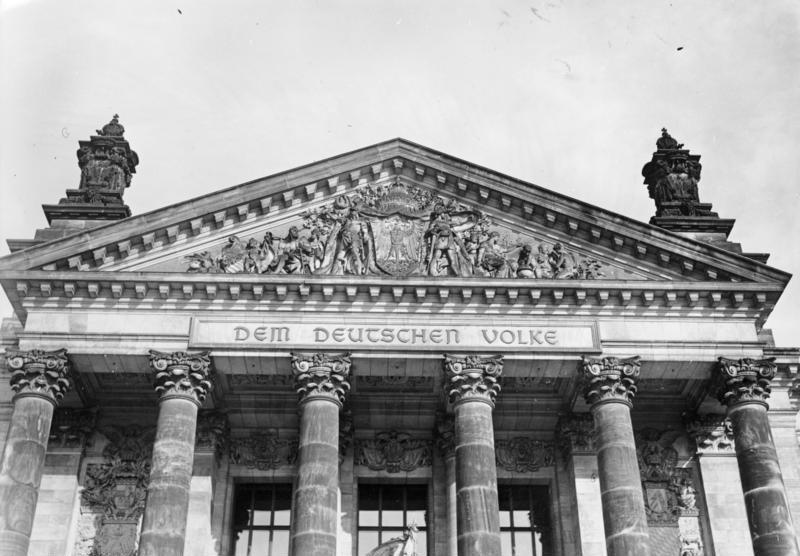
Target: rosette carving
x: 609, y: 378
x: 473, y: 377
x: 321, y: 375
x: 182, y: 374
x: 744, y: 380
x: 39, y: 373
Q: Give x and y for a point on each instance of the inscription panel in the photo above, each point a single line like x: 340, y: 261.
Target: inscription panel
x: 261, y: 334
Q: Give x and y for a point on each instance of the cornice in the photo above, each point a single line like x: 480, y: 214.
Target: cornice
x: 120, y: 241
x: 747, y: 299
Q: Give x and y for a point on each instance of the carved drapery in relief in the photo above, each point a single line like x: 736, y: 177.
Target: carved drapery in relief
x: 397, y: 230
x: 393, y: 452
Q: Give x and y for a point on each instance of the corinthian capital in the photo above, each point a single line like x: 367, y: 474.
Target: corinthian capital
x: 713, y: 434
x: 609, y: 378
x: 39, y: 373
x: 181, y: 374
x: 744, y: 380
x: 473, y: 377
x: 321, y: 376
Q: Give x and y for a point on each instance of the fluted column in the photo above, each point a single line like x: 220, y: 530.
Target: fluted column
x: 321, y: 381
x: 472, y: 386
x: 445, y: 428
x: 609, y: 387
x: 743, y: 386
x: 38, y: 380
x: 182, y: 380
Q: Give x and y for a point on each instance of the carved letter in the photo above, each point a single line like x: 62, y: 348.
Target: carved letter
x: 507, y: 337
x: 280, y: 334
x: 536, y: 336
x: 338, y: 334
x: 370, y: 337
x: 405, y: 332
x: 353, y: 338
x: 452, y: 332
x: 320, y: 335
x: 417, y: 333
x: 260, y: 333
x: 436, y: 335
x: 551, y: 337
x: 387, y: 335
x: 241, y: 333
x: 491, y: 340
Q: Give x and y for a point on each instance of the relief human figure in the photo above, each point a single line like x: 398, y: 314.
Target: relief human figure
x: 352, y: 245
x: 526, y: 262
x: 446, y: 252
x: 231, y: 258
x: 492, y: 258
x: 294, y: 254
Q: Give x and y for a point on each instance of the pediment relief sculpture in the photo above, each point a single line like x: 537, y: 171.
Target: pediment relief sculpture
x: 397, y: 230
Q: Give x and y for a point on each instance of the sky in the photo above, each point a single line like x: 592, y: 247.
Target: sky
x: 570, y: 95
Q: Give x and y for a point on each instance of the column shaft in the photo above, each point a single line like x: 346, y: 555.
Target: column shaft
x: 451, y: 505
x: 21, y: 471
x: 314, y: 511
x: 767, y: 508
x: 167, y: 507
x: 624, y: 516
x: 476, y: 480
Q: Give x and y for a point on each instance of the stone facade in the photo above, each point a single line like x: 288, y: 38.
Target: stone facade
x: 393, y: 330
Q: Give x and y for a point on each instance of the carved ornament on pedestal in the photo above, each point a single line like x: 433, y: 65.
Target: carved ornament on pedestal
x: 118, y: 488
x: 669, y: 492
x: 744, y: 380
x: 446, y: 434
x: 212, y: 432
x: 393, y: 452
x: 71, y: 428
x: 39, y: 373
x: 114, y: 493
x: 397, y: 229
x: 575, y: 433
x: 263, y: 451
x: 321, y: 376
x: 181, y: 375
x: 712, y: 433
x: 472, y: 378
x: 346, y: 432
x: 610, y: 378
x: 671, y: 177
x: 524, y: 455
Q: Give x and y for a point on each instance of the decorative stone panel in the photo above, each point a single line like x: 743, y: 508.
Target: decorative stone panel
x: 394, y: 452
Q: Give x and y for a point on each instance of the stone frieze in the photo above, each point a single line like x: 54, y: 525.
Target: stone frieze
x: 396, y: 230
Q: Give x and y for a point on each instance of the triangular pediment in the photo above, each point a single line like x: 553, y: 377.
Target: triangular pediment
x: 393, y: 210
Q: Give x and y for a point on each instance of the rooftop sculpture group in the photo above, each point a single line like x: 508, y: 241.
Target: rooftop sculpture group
x: 395, y: 230
x: 671, y: 177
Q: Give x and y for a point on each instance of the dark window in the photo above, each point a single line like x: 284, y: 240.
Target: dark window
x: 261, y: 520
x: 384, y: 512
x: 525, y: 520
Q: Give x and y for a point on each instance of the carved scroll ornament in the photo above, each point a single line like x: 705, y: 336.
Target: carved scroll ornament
x: 609, y: 378
x: 321, y: 375
x: 744, y: 380
x: 396, y: 230
x: 393, y: 452
x: 39, y: 373
x: 472, y: 377
x: 181, y: 374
